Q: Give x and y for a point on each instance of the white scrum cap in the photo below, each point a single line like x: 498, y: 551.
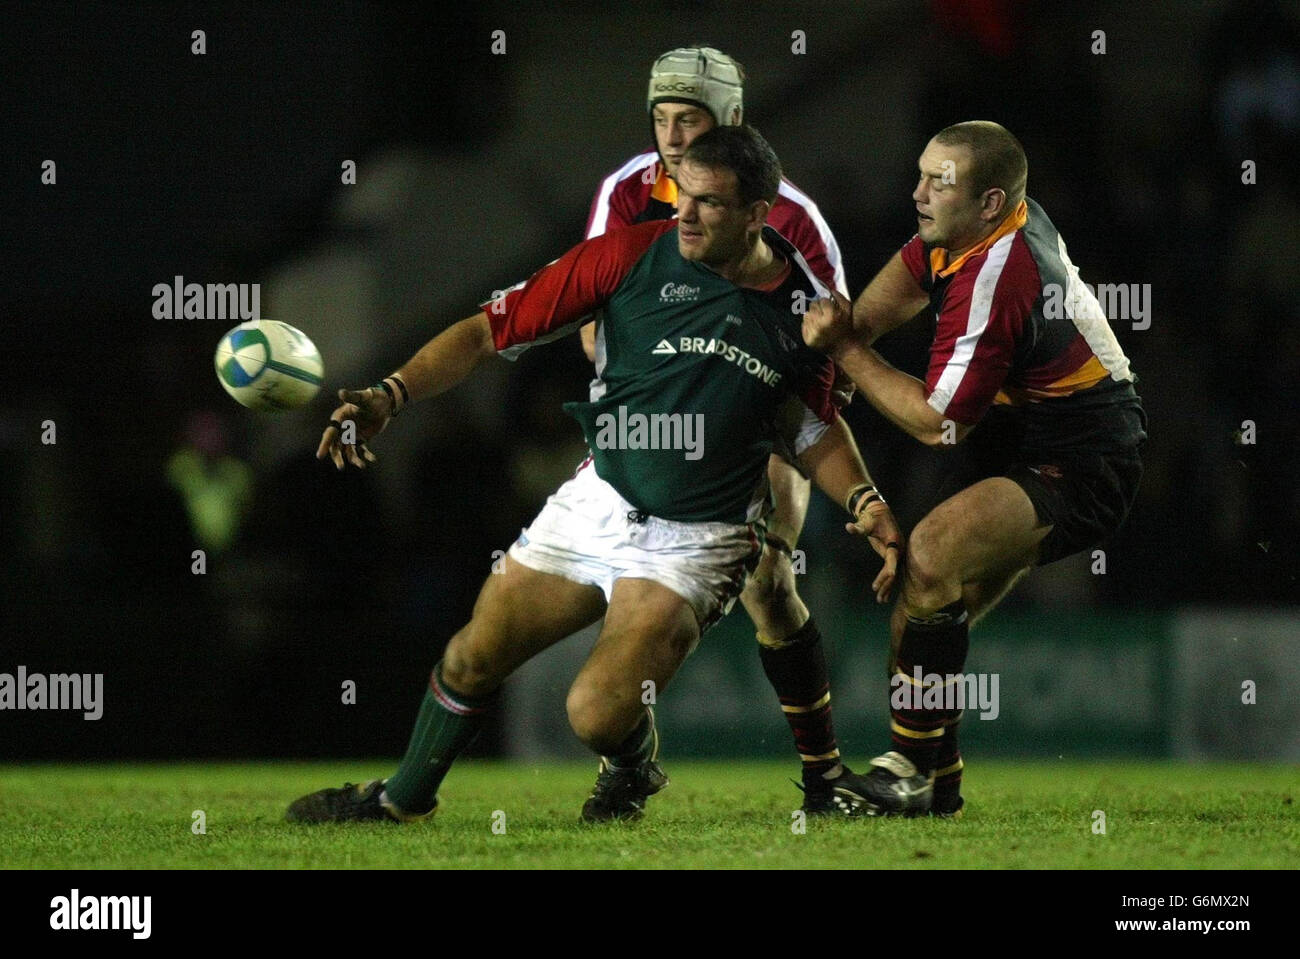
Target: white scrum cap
x: 699, y: 75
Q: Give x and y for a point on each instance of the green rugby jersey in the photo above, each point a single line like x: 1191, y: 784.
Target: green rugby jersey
x: 696, y: 377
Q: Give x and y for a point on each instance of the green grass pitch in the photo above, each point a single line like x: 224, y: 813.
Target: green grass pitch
x: 714, y: 814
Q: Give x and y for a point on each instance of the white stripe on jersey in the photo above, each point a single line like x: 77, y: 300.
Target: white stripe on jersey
x: 977, y: 321
x: 796, y: 196
x: 634, y: 165
x: 516, y: 350
x: 811, y: 429
x: 1089, y: 318
x: 598, y: 385
x: 818, y: 286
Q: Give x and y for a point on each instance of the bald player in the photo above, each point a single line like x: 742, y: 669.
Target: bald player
x: 1023, y: 349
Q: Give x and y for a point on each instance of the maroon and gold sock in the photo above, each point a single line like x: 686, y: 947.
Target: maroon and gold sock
x: 797, y: 671
x: 948, y: 766
x: 936, y: 645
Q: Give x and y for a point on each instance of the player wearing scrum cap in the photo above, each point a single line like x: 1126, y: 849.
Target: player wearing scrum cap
x: 692, y: 90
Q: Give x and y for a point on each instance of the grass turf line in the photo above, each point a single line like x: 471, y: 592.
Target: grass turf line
x: 1028, y: 814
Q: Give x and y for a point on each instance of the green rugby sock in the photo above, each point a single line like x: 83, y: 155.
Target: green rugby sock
x: 448, y: 721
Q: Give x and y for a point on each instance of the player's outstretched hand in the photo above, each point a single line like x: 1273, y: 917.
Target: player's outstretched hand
x: 828, y: 324
x: 368, y: 412
x: 877, y: 523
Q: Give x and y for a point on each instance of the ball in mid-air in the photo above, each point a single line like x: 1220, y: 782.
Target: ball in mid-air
x: 269, y: 365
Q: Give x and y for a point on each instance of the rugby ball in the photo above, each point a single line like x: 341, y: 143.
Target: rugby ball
x: 269, y: 365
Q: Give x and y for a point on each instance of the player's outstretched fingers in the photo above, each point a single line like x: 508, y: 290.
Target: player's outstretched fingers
x: 888, y: 575
x: 365, y: 451
x: 328, y: 437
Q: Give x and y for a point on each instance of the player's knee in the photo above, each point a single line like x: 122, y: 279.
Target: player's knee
x: 764, y: 591
x: 595, y: 718
x: 928, y: 567
x: 772, y: 585
x: 467, y: 670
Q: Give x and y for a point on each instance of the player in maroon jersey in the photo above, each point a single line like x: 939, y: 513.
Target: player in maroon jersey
x: 692, y: 90
x: 1023, y: 348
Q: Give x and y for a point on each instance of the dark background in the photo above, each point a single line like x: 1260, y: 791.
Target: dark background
x: 473, y: 170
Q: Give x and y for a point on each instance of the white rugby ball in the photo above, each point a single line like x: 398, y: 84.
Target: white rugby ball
x: 269, y: 365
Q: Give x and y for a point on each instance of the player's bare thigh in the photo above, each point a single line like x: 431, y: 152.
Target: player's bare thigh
x: 519, y: 612
x: 984, y: 534
x: 771, y: 596
x: 649, y: 631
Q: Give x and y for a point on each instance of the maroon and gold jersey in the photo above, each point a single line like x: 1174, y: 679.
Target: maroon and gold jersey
x: 998, y: 341
x: 641, y: 190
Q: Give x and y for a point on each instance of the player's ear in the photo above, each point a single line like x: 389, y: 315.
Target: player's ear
x: 758, y: 211
x: 994, y: 206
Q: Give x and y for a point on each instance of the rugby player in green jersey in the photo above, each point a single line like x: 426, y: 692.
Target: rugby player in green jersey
x: 703, y: 370
x: 692, y: 90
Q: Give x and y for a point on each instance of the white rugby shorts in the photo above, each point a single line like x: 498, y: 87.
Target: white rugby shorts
x: 590, y: 534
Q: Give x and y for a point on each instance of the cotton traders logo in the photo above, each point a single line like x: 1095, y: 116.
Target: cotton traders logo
x: 678, y: 293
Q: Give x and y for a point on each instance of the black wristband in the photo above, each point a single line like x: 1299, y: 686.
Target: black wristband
x: 406, y: 396
x: 392, y: 399
x: 853, y: 493
x: 863, y: 498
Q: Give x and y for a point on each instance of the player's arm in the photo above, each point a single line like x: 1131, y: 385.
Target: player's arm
x: 835, y: 465
x: 828, y: 326
x: 443, y: 362
x: 891, y: 299
x: 448, y: 358
x: 587, y: 334
x: 550, y: 304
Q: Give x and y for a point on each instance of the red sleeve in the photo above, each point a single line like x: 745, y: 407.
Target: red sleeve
x: 811, y: 235
x: 558, y: 297
x: 986, y: 311
x: 913, y: 253
x: 814, y: 388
